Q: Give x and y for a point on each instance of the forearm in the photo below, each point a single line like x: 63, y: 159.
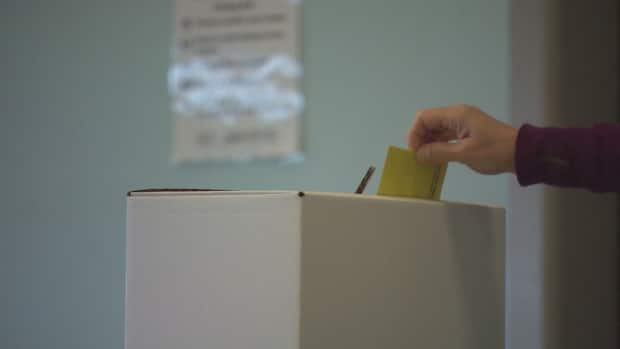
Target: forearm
x: 570, y: 157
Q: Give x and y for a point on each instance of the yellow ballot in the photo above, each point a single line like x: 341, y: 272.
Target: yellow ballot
x: 404, y: 176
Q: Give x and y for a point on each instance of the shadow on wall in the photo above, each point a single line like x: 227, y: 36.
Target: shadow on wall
x: 581, y: 228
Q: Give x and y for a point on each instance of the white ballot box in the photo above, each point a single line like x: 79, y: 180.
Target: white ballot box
x: 293, y: 270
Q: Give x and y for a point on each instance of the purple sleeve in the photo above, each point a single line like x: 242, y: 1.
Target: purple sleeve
x: 570, y: 157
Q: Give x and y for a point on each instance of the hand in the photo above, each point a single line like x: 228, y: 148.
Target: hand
x: 464, y: 134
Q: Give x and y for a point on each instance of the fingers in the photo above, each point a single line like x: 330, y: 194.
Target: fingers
x: 416, y: 135
x: 441, y: 152
x: 443, y: 123
x: 441, y: 136
x: 420, y: 133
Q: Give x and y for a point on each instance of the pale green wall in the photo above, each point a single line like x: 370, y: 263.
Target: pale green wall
x: 85, y: 116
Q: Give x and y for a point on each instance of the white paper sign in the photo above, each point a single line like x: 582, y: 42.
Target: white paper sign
x: 235, y: 79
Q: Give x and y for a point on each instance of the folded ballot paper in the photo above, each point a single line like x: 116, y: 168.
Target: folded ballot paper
x: 404, y: 176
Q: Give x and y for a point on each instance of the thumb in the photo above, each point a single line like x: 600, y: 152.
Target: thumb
x: 440, y: 152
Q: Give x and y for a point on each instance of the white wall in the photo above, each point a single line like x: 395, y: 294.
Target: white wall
x: 86, y: 117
